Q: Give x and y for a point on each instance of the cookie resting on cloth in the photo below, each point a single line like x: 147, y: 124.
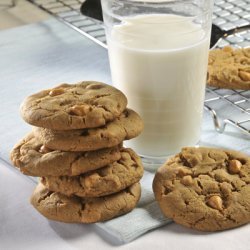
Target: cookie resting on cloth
x: 56, y: 206
x: 205, y: 188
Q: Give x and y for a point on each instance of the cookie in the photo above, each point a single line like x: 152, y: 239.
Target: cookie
x: 110, y: 179
x: 83, y: 105
x: 125, y: 127
x: 204, y: 188
x: 34, y: 159
x: 56, y: 206
x: 229, y: 68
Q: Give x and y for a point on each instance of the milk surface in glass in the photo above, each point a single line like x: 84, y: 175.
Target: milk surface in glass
x: 162, y: 70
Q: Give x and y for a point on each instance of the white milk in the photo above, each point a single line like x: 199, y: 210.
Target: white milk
x: 162, y: 70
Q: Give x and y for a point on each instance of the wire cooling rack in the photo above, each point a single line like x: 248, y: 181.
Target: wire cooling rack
x: 226, y: 106
x: 68, y: 12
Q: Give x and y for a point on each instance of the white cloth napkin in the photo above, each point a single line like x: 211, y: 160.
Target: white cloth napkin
x: 145, y: 217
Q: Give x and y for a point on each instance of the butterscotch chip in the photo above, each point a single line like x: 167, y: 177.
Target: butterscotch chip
x: 228, y: 49
x: 56, y: 91
x: 229, y: 68
x: 110, y: 179
x: 44, y: 149
x: 234, y: 166
x: 56, y: 206
x: 94, y: 86
x: 80, y: 110
x: 128, y: 125
x: 33, y: 158
x: 210, y: 198
x: 215, y: 202
x: 245, y: 76
x: 187, y: 180
x: 183, y: 171
x: 74, y: 106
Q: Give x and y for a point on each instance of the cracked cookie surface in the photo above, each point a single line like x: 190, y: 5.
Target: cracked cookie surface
x: 56, y: 206
x: 74, y: 106
x: 127, y: 126
x: 110, y: 179
x: 229, y: 68
x: 34, y: 159
x: 204, y: 188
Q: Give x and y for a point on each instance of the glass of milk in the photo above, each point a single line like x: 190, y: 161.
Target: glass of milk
x: 158, y: 53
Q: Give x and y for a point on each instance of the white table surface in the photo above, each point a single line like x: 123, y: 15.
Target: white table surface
x: 38, y: 56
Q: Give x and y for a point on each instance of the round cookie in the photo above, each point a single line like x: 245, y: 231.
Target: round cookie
x: 110, y: 179
x: 204, y: 188
x: 229, y: 68
x: 125, y: 127
x: 74, y: 106
x: 56, y: 206
x: 34, y: 159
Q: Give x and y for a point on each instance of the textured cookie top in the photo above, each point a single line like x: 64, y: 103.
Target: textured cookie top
x: 33, y: 158
x: 74, y: 106
x: 229, y: 68
x: 204, y: 188
x: 107, y: 180
x: 56, y: 206
x: 128, y: 125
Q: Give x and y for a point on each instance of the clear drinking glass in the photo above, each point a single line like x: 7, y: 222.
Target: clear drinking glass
x: 158, y: 53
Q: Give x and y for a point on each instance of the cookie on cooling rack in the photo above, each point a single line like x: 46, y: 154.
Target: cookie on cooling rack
x: 229, y: 68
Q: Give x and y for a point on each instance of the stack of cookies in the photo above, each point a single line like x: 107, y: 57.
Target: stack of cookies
x: 76, y: 148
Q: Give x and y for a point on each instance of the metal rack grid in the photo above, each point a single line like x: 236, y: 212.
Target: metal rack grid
x: 226, y: 106
x: 68, y: 12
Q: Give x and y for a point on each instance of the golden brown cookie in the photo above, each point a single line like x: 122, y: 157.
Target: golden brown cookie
x: 107, y: 180
x: 204, y: 188
x: 125, y: 127
x: 34, y: 159
x: 56, y: 206
x: 229, y: 68
x: 74, y: 106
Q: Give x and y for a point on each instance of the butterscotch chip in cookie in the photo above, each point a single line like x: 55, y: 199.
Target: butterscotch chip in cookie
x: 234, y: 166
x: 56, y: 206
x: 187, y: 180
x: 74, y: 106
x: 56, y: 91
x: 215, y: 202
x: 213, y: 195
x: 43, y: 149
x: 35, y: 159
x: 110, y: 179
x: 128, y: 125
x: 229, y: 68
